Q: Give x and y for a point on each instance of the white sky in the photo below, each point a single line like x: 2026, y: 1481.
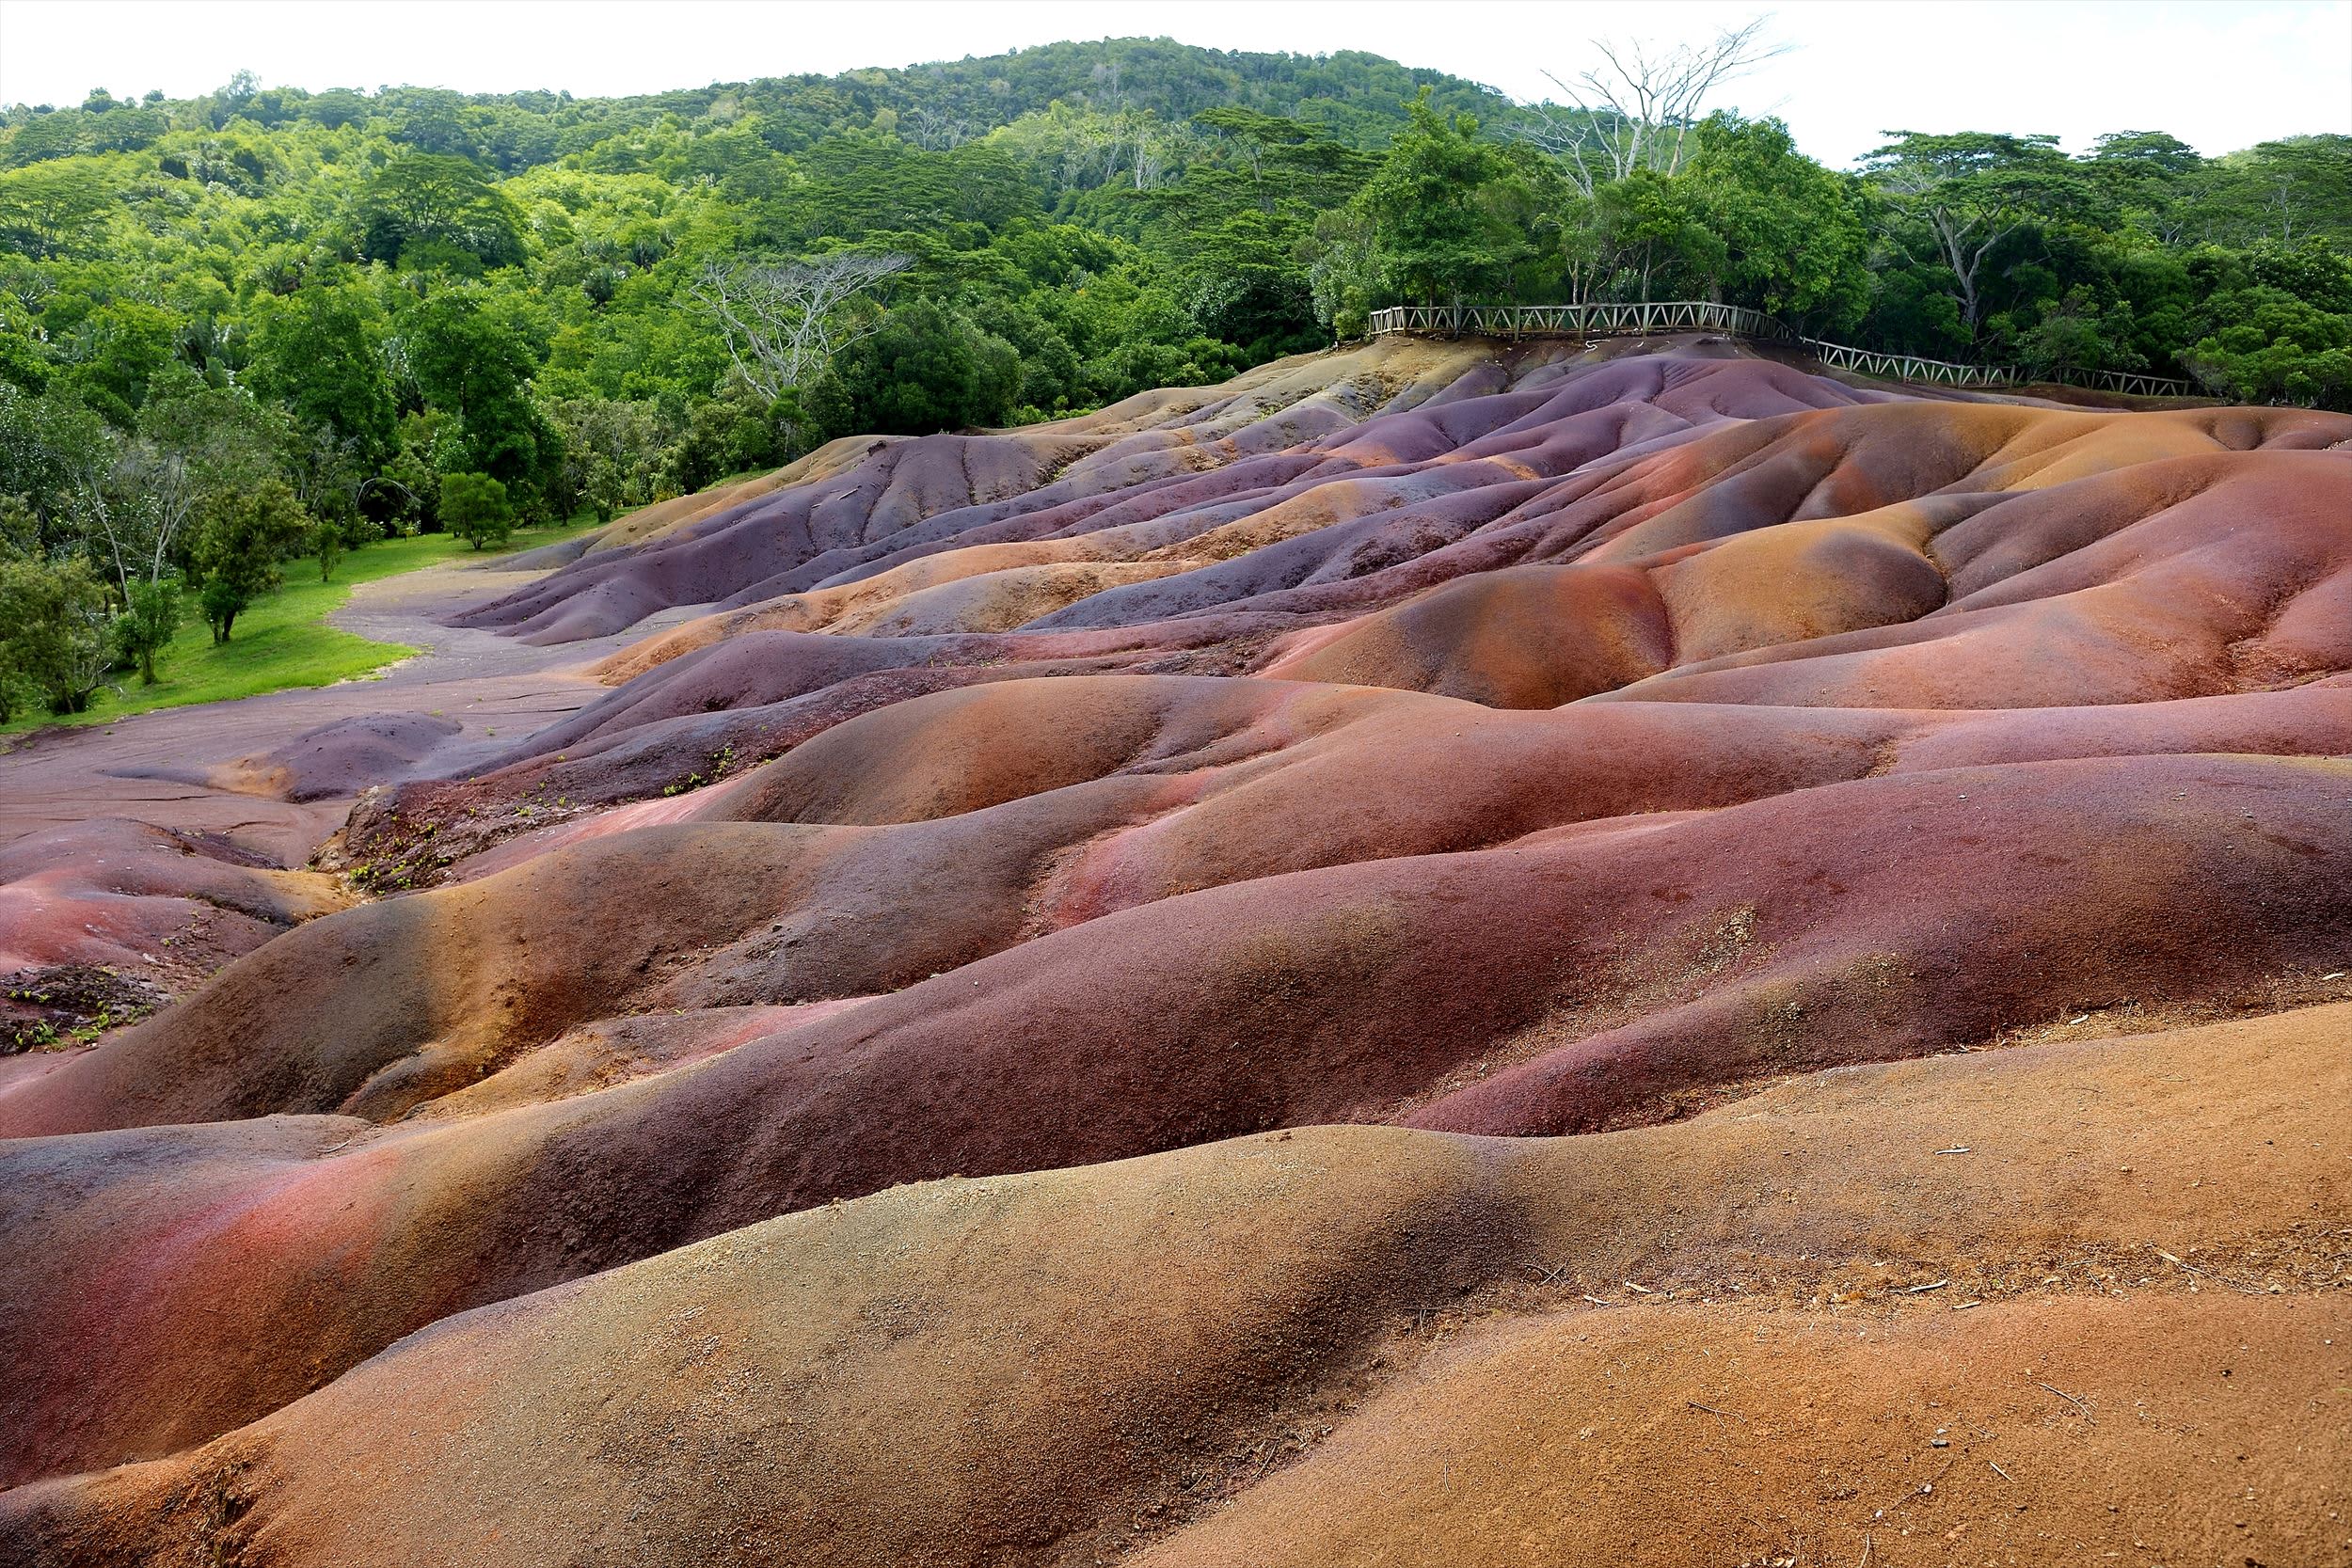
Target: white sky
x: 2220, y: 73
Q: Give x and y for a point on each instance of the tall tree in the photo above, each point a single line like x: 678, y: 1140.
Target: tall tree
x: 785, y: 322
x: 1430, y: 213
x: 473, y: 357
x: 1968, y: 191
x: 55, y: 209
x: 927, y: 368
x: 424, y: 197
x: 193, y: 440
x: 2146, y: 174
x: 1795, y: 239
x: 2292, y: 190
x: 321, y: 353
x: 54, y: 643
x: 59, y: 456
x: 1637, y: 108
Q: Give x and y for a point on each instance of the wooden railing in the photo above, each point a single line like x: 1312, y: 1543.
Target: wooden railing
x: 1700, y: 315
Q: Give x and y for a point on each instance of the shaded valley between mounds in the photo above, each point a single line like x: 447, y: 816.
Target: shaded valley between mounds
x: 1450, y: 952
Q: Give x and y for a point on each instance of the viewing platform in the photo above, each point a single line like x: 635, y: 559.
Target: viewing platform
x: 1700, y: 315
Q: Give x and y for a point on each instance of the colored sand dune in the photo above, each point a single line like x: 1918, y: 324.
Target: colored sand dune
x: 1446, y: 952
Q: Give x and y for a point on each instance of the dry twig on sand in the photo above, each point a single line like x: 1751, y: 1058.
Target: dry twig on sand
x: 2191, y: 1268
x: 2071, y: 1400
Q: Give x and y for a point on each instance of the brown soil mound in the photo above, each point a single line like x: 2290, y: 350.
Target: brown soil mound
x: 1827, y: 1312
x: 1448, y: 953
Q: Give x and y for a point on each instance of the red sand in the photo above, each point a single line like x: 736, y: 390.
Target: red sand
x: 1492, y: 743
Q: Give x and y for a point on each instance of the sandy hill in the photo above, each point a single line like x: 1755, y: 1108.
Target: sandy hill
x: 1449, y: 953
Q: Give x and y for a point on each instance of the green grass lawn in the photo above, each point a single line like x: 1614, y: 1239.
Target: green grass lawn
x: 283, y: 640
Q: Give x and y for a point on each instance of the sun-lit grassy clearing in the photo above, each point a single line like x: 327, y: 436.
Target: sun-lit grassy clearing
x: 283, y: 639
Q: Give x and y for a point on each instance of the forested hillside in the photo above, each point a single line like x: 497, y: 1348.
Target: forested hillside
x: 267, y: 319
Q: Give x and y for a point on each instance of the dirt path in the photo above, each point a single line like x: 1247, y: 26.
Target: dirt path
x: 156, y: 767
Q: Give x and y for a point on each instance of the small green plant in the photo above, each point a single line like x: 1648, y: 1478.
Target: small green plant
x: 474, y: 507
x: 327, y: 543
x: 149, y: 623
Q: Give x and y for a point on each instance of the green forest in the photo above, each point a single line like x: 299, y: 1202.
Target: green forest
x: 268, y: 323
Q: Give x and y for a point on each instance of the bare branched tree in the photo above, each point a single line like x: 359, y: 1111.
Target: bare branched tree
x: 141, y: 531
x: 1637, y: 109
x: 783, y: 321
x: 114, y: 509
x: 933, y: 130
x: 1152, y: 157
